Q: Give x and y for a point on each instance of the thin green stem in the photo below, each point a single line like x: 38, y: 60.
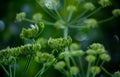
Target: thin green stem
x: 27, y: 65
x: 102, y: 63
x: 58, y: 14
x: 41, y: 71
x: 97, y: 10
x: 93, y: 75
x: 69, y: 16
x: 81, y: 67
x: 73, y: 61
x: 108, y: 73
x: 106, y: 20
x: 14, y: 68
x: 47, y: 22
x: 64, y: 72
x: 28, y: 20
x: 67, y: 60
x: 98, y: 61
x: 78, y: 17
x: 4, y: 69
x: 88, y: 73
x: 10, y: 71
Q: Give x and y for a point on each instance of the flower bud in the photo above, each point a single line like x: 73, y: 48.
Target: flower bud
x: 77, y: 53
x: 90, y: 58
x: 64, y: 54
x: 105, y: 57
x: 30, y: 32
x: 91, y: 52
x: 91, y: 23
x: 96, y: 46
x: 59, y: 65
x: 104, y: 3
x: 52, y: 4
x: 59, y: 24
x: 74, y: 46
x: 95, y: 70
x: 44, y: 58
x: 37, y: 17
x: 59, y: 42
x: 116, y: 12
x: 74, y: 70
x: 116, y: 74
x: 71, y: 8
x: 89, y: 6
x: 20, y: 16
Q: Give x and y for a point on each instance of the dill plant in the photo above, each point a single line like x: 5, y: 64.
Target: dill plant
x: 70, y: 60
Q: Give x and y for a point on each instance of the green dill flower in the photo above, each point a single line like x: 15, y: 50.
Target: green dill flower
x: 105, y: 57
x: 59, y: 65
x: 71, y: 8
x: 20, y: 16
x: 104, y: 3
x: 89, y: 6
x: 52, y: 4
x: 91, y: 52
x: 98, y: 48
x: 29, y: 49
x: 77, y: 53
x: 37, y: 17
x: 74, y: 46
x: 59, y: 24
x: 116, y: 12
x: 74, y: 70
x: 64, y: 54
x: 44, y: 58
x: 59, y: 42
x: 116, y: 74
x: 91, y: 23
x: 90, y: 58
x: 95, y: 70
x: 30, y: 32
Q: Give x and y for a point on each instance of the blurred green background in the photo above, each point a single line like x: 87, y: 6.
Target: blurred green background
x: 108, y: 33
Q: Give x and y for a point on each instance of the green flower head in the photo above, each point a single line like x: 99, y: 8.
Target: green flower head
x: 90, y: 58
x: 91, y: 23
x: 59, y: 65
x: 116, y: 12
x: 74, y: 70
x: 20, y: 16
x: 95, y: 70
x: 89, y: 6
x: 104, y: 3
x: 105, y: 57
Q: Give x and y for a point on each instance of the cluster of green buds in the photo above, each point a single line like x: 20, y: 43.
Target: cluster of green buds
x: 74, y: 46
x: 8, y: 55
x: 59, y: 65
x: 89, y: 6
x: 116, y: 12
x: 116, y: 74
x: 74, y: 70
x: 105, y: 3
x: 37, y: 17
x: 33, y: 32
x: 50, y: 4
x: 20, y: 16
x: 59, y: 42
x: 98, y: 49
x: 75, y: 53
x: 45, y: 58
x: 95, y: 70
x: 91, y: 23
